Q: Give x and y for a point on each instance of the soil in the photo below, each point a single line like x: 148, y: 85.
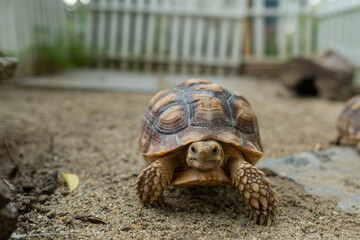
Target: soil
x: 95, y: 135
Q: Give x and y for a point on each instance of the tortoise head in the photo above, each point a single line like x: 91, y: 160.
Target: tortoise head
x: 205, y: 155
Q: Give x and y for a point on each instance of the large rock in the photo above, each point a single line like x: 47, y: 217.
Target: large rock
x: 333, y: 172
x: 8, y: 213
x: 328, y: 75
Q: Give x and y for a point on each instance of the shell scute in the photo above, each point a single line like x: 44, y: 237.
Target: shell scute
x: 245, y: 117
x: 172, y: 120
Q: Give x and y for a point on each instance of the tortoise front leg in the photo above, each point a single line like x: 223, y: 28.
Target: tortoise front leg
x: 256, y: 190
x: 152, y: 180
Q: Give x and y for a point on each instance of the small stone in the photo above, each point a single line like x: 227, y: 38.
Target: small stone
x: 51, y: 214
x: 43, y: 198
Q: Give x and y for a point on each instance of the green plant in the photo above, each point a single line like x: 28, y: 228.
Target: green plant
x: 60, y: 55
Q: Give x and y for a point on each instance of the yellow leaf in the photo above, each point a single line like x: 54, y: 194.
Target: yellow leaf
x: 72, y: 180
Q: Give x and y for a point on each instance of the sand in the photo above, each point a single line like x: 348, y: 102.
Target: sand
x: 95, y: 135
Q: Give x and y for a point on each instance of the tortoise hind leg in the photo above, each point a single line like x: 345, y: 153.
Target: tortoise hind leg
x: 152, y: 180
x: 256, y: 190
x: 336, y: 139
x: 358, y: 146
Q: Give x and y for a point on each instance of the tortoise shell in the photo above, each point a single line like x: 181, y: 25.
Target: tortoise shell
x: 198, y: 110
x: 349, y: 121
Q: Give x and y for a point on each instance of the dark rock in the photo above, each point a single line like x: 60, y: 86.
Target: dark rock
x: 8, y: 67
x: 8, y: 221
x: 5, y: 194
x: 49, y: 186
x: 331, y: 172
x: 8, y: 212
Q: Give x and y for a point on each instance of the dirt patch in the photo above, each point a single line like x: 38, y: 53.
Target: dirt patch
x: 95, y: 135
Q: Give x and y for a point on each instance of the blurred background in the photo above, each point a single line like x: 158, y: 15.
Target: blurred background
x: 252, y: 37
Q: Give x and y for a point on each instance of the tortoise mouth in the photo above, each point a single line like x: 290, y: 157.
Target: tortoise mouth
x: 205, y: 162
x: 203, y: 166
x: 192, y: 176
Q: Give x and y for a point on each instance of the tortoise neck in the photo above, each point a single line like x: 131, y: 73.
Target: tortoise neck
x: 231, y: 153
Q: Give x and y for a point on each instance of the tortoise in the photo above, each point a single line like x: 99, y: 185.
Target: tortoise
x: 198, y: 133
x: 348, y: 124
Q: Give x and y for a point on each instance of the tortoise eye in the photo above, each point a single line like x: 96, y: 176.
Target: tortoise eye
x: 193, y: 149
x: 214, y: 149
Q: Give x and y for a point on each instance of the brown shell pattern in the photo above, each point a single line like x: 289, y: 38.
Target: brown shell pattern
x: 349, y: 120
x: 198, y: 110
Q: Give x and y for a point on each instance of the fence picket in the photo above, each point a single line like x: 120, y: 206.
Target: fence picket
x: 89, y: 29
x: 112, y: 52
x: 101, y: 33
x: 186, y: 44
x: 125, y: 33
x: 150, y: 34
x: 174, y: 43
x: 259, y: 30
x: 198, y: 44
x: 138, y: 31
x: 163, y: 38
x: 281, y: 31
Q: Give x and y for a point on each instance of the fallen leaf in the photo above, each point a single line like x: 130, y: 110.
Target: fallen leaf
x: 72, y: 180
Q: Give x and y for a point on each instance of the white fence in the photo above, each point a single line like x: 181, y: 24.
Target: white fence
x: 189, y: 35
x: 339, y: 29
x: 27, y: 24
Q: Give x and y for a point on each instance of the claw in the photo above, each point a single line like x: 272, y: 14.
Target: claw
x: 262, y: 219
x: 269, y: 220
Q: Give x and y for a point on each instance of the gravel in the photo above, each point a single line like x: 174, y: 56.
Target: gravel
x: 95, y: 135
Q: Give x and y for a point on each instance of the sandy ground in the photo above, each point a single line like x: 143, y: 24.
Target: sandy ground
x: 95, y: 135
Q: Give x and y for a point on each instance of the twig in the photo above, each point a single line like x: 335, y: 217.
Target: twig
x: 89, y: 218
x: 8, y: 184
x: 51, y: 145
x: 8, y: 153
x: 317, y: 147
x: 19, y: 236
x: 16, y: 167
